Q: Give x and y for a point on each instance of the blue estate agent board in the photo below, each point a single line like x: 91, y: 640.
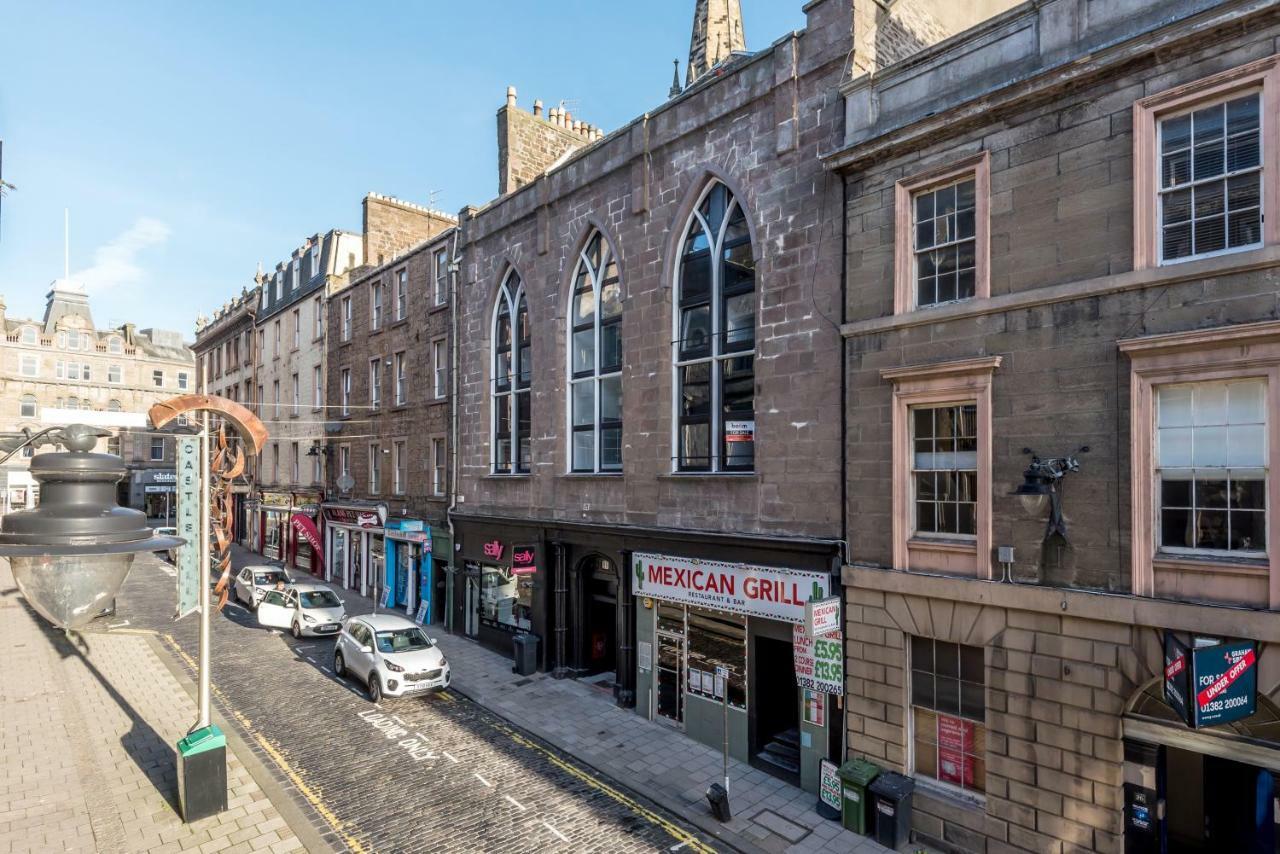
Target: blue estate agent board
x: 1212, y: 684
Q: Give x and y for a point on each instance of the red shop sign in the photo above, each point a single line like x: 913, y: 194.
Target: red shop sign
x: 523, y: 560
x: 493, y: 549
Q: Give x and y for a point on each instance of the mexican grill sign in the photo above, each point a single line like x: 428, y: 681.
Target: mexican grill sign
x: 757, y: 591
x: 1211, y: 684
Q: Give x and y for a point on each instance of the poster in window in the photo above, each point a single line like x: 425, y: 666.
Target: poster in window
x: 955, y: 743
x: 739, y: 431
x: 523, y: 561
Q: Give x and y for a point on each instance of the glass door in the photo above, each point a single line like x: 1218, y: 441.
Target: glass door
x: 472, y: 612
x: 669, y: 697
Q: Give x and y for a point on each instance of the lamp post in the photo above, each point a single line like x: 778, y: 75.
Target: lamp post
x: 1040, y: 486
x: 71, y: 554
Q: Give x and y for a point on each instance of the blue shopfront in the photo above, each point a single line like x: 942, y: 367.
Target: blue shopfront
x: 415, y: 576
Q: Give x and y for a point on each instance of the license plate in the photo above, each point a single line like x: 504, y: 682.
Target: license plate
x: 328, y: 627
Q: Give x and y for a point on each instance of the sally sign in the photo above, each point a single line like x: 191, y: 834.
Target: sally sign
x: 757, y: 591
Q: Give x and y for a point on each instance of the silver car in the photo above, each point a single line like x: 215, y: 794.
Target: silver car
x: 310, y: 610
x: 391, y: 656
x: 253, y: 582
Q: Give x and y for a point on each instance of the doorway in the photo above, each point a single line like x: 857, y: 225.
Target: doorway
x: 471, y: 616
x: 1214, y: 805
x: 775, y: 744
x: 600, y: 577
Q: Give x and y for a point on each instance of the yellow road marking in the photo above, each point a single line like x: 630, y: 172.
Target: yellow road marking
x: 295, y: 777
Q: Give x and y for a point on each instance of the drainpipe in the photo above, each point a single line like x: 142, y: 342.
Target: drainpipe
x: 455, y: 265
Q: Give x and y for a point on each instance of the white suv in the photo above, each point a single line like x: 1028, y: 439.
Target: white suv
x: 392, y: 656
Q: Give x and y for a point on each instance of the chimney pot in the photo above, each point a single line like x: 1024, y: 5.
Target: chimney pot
x: 537, y: 108
x: 568, y: 119
x: 511, y: 96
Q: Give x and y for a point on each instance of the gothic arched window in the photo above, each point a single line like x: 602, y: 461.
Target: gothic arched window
x: 595, y: 360
x: 512, y: 375
x: 714, y: 338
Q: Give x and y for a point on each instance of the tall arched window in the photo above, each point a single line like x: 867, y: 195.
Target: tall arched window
x: 595, y: 360
x: 512, y: 373
x: 714, y: 338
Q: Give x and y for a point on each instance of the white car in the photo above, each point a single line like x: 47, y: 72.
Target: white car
x: 390, y: 655
x: 303, y: 609
x: 170, y: 554
x: 253, y: 582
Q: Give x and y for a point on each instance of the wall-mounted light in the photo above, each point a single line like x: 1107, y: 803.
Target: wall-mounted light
x: 1040, y: 487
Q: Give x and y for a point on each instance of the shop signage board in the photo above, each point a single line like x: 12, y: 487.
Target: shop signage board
x: 819, y: 661
x: 523, y: 560
x: 822, y: 616
x: 829, y: 783
x: 1211, y: 684
x: 188, y: 556
x: 360, y: 518
x: 421, y: 616
x: 493, y: 549
x: 756, y: 591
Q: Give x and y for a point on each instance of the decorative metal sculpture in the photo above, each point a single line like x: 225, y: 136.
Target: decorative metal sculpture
x: 228, y: 463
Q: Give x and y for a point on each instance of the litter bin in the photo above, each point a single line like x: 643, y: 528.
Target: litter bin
x: 202, y: 773
x: 526, y: 655
x: 855, y: 776
x: 891, y: 806
x: 718, y: 800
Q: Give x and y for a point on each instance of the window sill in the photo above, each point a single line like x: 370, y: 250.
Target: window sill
x: 956, y: 546
x: 397, y: 323
x: 591, y: 475
x: 436, y: 309
x: 520, y: 476
x: 1215, y: 564
x: 712, y: 475
x: 951, y: 795
x: 399, y: 407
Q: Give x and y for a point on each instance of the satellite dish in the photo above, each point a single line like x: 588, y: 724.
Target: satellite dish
x: 345, y: 483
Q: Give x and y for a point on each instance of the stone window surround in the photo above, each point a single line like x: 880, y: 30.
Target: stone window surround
x: 962, y: 381
x: 1147, y: 112
x: 1222, y: 353
x: 904, y: 266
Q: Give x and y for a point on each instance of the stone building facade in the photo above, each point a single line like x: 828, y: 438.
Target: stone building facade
x: 389, y: 352
x: 1060, y: 236
x: 649, y: 389
x: 226, y: 367
x: 63, y: 368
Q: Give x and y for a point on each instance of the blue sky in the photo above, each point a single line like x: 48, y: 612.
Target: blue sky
x: 189, y: 145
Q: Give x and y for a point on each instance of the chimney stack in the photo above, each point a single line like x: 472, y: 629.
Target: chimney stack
x: 511, y: 96
x: 537, y: 108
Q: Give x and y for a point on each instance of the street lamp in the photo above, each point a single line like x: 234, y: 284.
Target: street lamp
x: 71, y: 554
x: 1040, y: 486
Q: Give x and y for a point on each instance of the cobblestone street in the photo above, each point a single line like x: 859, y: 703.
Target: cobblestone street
x: 424, y: 774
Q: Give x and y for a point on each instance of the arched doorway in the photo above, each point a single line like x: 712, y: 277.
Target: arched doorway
x: 1188, y: 791
x: 599, y: 578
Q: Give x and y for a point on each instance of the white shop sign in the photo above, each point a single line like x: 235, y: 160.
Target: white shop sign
x: 757, y: 591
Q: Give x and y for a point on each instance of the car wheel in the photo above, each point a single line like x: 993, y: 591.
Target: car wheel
x: 339, y: 666
x: 375, y: 688
x: 297, y: 632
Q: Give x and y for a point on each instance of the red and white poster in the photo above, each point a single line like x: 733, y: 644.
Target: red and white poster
x: 955, y: 749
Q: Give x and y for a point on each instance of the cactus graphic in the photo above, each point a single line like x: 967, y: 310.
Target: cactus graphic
x: 817, y: 592
x: 639, y: 575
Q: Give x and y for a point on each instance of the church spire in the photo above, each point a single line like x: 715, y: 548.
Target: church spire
x: 676, y: 88
x: 717, y: 33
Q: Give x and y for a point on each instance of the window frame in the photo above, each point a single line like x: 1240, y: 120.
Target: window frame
x: 29, y: 365
x: 156, y: 441
x: 346, y: 318
x: 1149, y: 112
x: 593, y: 283
x: 23, y: 403
x: 401, y: 378
x: 375, y: 468
x: 317, y: 391
x: 974, y: 794
x: 719, y: 354
x: 519, y: 378
x: 375, y: 383
x: 440, y: 268
x: 344, y: 378
x: 402, y: 294
x: 317, y: 320
x: 297, y: 328
x: 399, y: 466
x: 157, y: 378
x: 439, y: 369
x: 182, y: 380
x: 947, y: 383
x: 977, y: 166
x: 439, y: 466
x: 1205, y: 355
x: 375, y: 305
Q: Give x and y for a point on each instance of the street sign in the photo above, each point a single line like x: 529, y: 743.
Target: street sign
x: 187, y: 562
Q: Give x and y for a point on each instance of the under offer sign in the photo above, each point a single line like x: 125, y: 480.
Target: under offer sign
x: 756, y: 591
x: 1211, y: 684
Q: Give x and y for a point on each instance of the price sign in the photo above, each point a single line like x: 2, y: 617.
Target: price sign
x: 829, y: 783
x: 819, y: 661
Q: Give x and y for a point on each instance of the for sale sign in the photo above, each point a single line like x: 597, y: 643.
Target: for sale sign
x: 1226, y: 683
x: 1177, y: 676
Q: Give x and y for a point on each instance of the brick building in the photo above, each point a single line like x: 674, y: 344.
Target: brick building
x: 225, y: 367
x: 649, y: 386
x: 388, y: 442
x: 1061, y: 232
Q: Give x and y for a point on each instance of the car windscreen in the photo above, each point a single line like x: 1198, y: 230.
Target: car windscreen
x: 268, y: 577
x: 402, y: 640
x: 318, y: 599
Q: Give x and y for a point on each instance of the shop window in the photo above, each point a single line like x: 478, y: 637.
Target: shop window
x: 1202, y: 157
x: 506, y: 600
x: 714, y: 339
x: 942, y: 248
x: 717, y: 640
x: 271, y: 540
x: 948, y: 713
x: 511, y: 379
x: 595, y: 360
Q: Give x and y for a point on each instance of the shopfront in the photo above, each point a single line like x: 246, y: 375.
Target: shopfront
x: 154, y: 490
x: 303, y: 548
x: 415, y: 578
x: 711, y: 634
x: 354, y: 537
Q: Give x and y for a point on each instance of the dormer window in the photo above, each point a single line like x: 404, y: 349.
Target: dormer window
x: 28, y: 335
x: 115, y: 346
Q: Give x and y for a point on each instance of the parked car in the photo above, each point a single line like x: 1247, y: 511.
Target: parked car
x: 170, y: 554
x: 391, y: 656
x: 254, y: 582
x: 303, y: 609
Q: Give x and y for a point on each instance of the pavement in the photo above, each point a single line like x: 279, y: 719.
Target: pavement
x: 88, y: 728
x: 496, y: 763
